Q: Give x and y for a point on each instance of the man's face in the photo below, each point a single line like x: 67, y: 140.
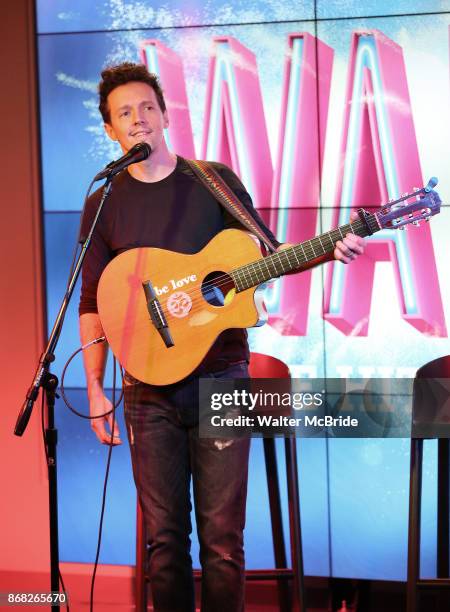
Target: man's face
x: 135, y: 116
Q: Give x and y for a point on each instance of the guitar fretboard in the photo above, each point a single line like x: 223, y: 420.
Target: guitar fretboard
x: 299, y: 255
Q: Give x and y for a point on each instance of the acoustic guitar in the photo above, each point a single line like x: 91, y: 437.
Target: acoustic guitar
x: 161, y: 311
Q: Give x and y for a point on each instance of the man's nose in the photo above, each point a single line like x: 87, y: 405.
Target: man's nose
x: 137, y: 117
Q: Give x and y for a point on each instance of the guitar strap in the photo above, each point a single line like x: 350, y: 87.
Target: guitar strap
x: 212, y: 180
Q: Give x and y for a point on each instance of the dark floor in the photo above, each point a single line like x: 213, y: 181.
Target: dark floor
x: 115, y: 592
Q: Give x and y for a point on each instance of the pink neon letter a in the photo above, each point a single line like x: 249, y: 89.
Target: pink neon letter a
x: 380, y: 161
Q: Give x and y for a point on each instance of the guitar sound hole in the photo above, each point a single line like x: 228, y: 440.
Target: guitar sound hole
x: 218, y: 288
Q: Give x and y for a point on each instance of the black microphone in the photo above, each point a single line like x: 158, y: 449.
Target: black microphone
x: 136, y: 154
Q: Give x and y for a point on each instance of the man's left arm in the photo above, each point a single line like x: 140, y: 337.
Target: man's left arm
x: 346, y: 250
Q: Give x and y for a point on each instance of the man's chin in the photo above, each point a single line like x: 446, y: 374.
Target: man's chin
x: 143, y: 138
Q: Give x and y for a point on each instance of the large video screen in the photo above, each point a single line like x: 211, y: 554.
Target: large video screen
x: 320, y: 108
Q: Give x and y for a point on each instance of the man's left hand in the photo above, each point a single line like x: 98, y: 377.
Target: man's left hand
x: 351, y: 246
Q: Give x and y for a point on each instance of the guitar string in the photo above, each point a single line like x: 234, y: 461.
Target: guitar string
x: 239, y: 277
x: 289, y: 255
x: 199, y: 304
x: 247, y: 271
x: 291, y: 258
x: 255, y: 268
x: 175, y: 322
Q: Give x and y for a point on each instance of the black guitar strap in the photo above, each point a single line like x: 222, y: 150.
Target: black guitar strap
x: 212, y: 180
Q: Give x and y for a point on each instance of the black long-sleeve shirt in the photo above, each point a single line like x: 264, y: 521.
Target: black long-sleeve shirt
x: 177, y: 213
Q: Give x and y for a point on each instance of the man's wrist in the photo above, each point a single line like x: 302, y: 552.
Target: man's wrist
x: 95, y: 388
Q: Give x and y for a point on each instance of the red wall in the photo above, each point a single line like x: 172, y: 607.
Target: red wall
x: 23, y: 480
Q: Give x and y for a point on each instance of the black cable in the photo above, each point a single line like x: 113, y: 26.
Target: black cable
x: 84, y: 416
x: 72, y: 265
x: 102, y: 513
x: 43, y: 426
x: 63, y: 393
x: 108, y: 462
x: 75, y: 252
x: 64, y: 590
x: 77, y: 245
x: 82, y: 238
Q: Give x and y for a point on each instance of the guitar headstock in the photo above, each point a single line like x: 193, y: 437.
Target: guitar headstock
x: 414, y: 208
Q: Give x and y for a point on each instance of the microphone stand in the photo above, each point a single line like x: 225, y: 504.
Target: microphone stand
x: 49, y: 383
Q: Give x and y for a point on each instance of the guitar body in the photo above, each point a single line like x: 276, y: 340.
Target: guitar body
x: 196, y: 295
x: 193, y: 297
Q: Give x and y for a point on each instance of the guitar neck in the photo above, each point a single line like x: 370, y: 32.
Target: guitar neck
x: 299, y: 255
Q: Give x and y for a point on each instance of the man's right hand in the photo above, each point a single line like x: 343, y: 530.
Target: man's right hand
x: 94, y: 359
x: 99, y: 405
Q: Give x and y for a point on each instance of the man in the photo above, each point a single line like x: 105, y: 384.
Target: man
x: 160, y: 203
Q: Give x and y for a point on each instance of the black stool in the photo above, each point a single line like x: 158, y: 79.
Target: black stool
x: 290, y: 599
x: 431, y: 419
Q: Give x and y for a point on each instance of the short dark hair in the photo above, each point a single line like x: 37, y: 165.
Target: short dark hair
x: 114, y: 76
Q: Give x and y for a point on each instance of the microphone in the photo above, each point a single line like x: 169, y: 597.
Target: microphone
x: 136, y: 154
x: 431, y: 184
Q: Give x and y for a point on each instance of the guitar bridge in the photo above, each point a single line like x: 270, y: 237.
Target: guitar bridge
x: 156, y: 314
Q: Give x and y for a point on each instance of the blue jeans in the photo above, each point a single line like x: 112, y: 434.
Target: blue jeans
x: 162, y: 426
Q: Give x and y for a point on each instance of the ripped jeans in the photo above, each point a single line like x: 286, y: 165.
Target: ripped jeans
x: 166, y: 450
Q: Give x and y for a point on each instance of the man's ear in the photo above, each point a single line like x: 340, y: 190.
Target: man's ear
x: 110, y: 131
x: 166, y: 119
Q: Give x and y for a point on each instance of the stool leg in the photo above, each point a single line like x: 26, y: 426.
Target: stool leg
x: 141, y: 561
x: 276, y: 520
x: 299, y: 600
x: 443, y: 506
x: 415, y: 493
